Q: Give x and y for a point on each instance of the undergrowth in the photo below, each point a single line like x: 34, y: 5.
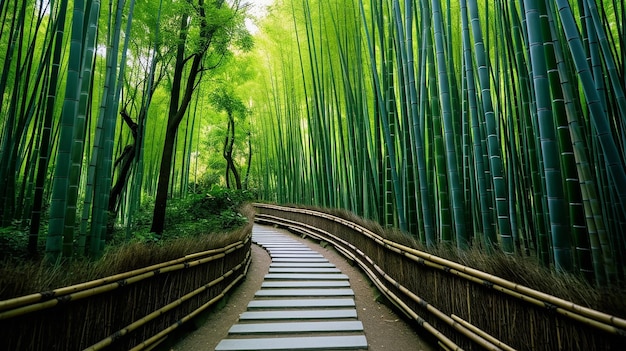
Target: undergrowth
x: 194, y: 224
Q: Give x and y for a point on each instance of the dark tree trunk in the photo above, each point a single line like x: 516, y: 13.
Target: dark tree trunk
x: 125, y: 161
x: 228, y: 153
x: 177, y: 110
x: 247, y: 178
x: 160, y: 202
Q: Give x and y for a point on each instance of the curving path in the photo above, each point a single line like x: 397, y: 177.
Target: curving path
x: 305, y: 303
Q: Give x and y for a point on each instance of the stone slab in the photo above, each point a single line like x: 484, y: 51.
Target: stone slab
x: 303, y: 264
x: 307, y: 284
x: 296, y: 327
x: 306, y: 276
x: 303, y: 270
x: 350, y: 342
x: 301, y: 303
x: 299, y: 314
x: 273, y: 253
x: 296, y: 259
x: 297, y: 255
x: 303, y: 292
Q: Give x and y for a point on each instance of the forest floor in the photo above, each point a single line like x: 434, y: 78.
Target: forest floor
x: 384, y: 328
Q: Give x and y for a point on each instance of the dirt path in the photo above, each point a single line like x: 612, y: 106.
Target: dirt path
x: 384, y: 329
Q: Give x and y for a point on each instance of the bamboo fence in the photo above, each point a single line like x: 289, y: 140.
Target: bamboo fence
x: 132, y: 310
x: 462, y: 307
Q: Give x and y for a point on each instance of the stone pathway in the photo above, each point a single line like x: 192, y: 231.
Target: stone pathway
x: 305, y: 303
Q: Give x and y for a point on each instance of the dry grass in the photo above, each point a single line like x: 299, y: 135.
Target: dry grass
x: 17, y: 279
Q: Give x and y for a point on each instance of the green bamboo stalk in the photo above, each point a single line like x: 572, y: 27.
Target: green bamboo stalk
x: 78, y: 145
x: 390, y: 118
x: 458, y: 215
x: 54, y: 240
x: 108, y: 114
x: 10, y: 128
x: 496, y: 165
x: 532, y: 193
x: 576, y: 215
x: 418, y: 142
x: 489, y: 234
x: 561, y: 244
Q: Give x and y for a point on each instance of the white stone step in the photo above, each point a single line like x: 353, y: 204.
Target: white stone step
x: 300, y: 303
x: 350, y: 342
x: 303, y: 292
x: 302, y: 264
x: 303, y: 270
x: 301, y: 260
x: 299, y: 314
x: 306, y: 276
x: 296, y: 327
x: 306, y: 284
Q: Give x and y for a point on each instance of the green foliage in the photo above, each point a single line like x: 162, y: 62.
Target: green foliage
x: 230, y: 198
x: 219, y: 207
x: 224, y: 99
x: 216, y: 210
x: 12, y: 243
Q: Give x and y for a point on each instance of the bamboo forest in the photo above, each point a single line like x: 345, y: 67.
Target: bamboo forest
x: 497, y: 125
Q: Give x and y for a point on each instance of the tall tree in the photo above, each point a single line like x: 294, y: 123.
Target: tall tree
x: 217, y: 24
x: 224, y: 99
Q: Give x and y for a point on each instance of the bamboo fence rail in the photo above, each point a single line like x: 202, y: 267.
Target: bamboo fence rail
x: 132, y: 310
x: 461, y: 306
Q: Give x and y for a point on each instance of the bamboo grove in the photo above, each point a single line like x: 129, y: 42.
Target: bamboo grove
x: 496, y: 124
x: 102, y: 105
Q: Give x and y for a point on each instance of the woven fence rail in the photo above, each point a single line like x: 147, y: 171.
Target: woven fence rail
x: 463, y: 308
x: 128, y: 311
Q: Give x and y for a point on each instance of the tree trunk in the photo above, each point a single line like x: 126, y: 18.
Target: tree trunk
x: 246, y: 180
x: 160, y: 202
x: 228, y: 153
x: 175, y: 116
